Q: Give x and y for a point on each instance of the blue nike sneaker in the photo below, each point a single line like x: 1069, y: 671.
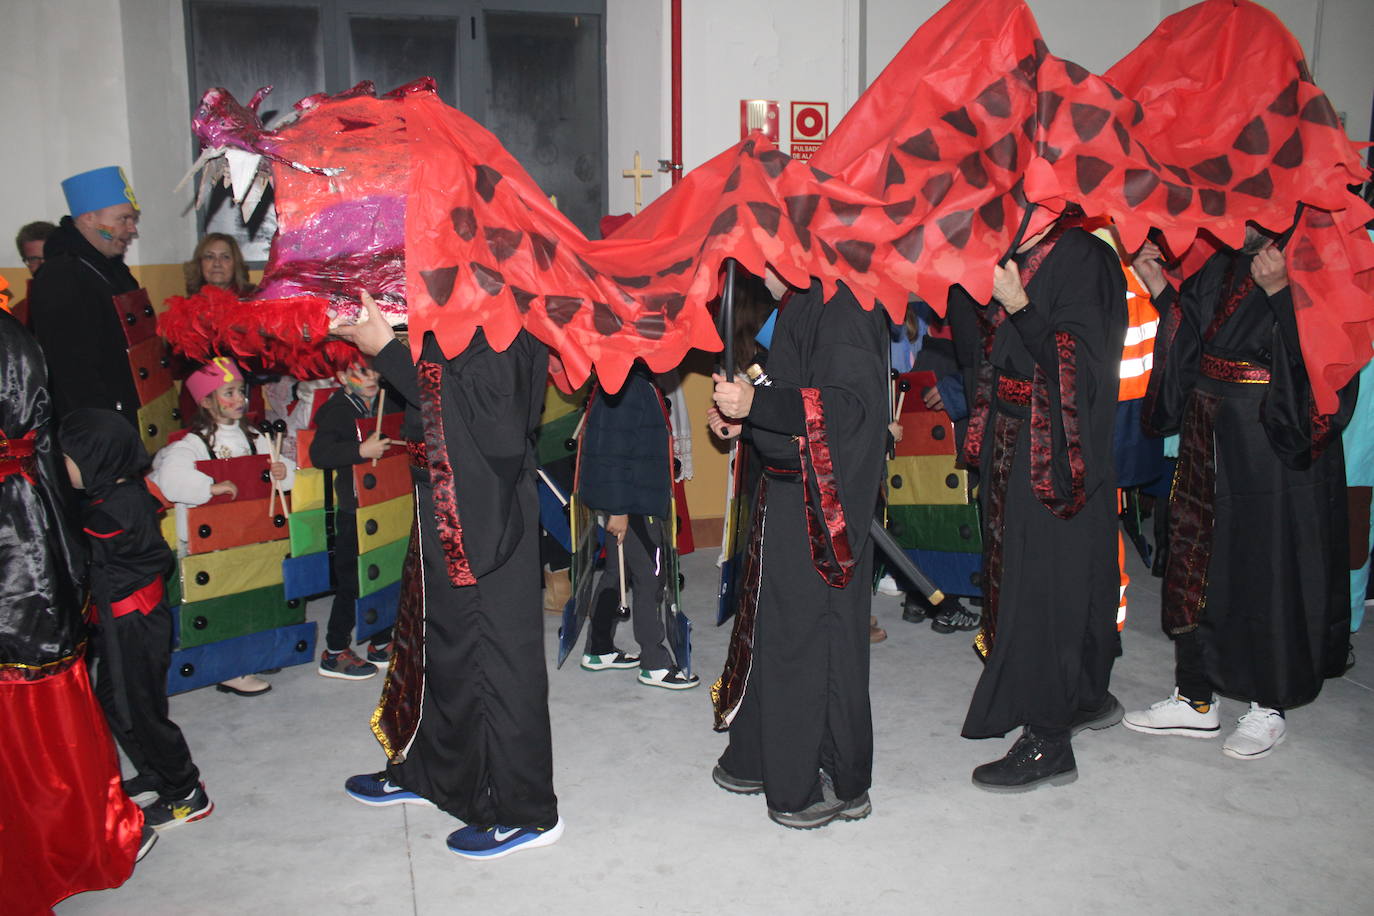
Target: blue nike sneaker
x: 376, y: 790
x: 495, y: 842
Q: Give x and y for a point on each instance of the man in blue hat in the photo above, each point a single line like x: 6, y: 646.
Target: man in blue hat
x: 71, y: 300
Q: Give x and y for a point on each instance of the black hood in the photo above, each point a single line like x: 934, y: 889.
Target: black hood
x: 104, y: 446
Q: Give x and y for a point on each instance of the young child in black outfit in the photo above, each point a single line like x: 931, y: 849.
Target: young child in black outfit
x: 129, y: 562
x: 336, y: 447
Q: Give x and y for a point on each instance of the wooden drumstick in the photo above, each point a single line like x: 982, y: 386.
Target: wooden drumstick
x: 381, y: 406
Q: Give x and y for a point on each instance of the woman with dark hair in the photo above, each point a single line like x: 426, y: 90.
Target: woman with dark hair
x: 217, y: 261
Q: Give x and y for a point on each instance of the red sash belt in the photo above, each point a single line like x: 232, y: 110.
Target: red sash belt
x: 1230, y: 370
x: 143, y: 601
x: 1014, y: 390
x: 17, y: 457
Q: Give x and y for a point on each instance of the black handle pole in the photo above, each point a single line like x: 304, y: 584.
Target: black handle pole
x: 901, y: 564
x: 727, y: 321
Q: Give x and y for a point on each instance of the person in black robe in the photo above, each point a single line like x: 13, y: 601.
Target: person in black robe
x: 1256, y: 592
x: 464, y: 716
x: 802, y: 731
x: 1040, y: 434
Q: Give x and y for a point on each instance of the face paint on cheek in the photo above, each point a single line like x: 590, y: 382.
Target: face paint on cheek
x: 106, y: 232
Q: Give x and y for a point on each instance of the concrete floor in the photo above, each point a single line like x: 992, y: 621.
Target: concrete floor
x: 1153, y: 825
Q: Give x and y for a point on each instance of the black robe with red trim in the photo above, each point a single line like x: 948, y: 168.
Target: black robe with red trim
x: 1048, y: 490
x: 469, y: 635
x: 821, y: 430
x: 1257, y: 546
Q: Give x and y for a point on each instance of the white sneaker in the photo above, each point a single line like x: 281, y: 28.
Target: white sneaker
x: 1257, y: 733
x: 888, y: 586
x: 1175, y: 716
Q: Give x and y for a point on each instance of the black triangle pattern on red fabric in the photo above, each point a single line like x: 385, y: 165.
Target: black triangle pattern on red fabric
x: 993, y: 214
x: 827, y: 251
x: 1088, y: 120
x: 732, y: 182
x: 544, y: 249
x: 562, y: 309
x: 846, y: 213
x: 439, y: 283
x: 935, y: 189
x: 1213, y: 202
x: 1318, y: 110
x: 350, y: 124
x: 487, y: 178
x: 895, y: 173
x: 1177, y: 197
x: 1286, y: 103
x: 1123, y: 136
x: 957, y: 227
x: 1148, y: 158
x: 1028, y: 127
x: 971, y: 167
x: 1305, y: 256
x: 1259, y: 185
x: 1217, y: 170
x: 801, y: 208
x: 651, y: 325
x: 676, y: 267
x: 857, y: 253
x: 1075, y: 73
x: 604, y: 319
x: 633, y: 282
x: 900, y: 210
x: 523, y: 298
x: 1180, y: 173
x: 464, y: 222
x: 822, y: 177
x: 1318, y: 219
x: 502, y: 242
x: 767, y: 215
x: 1137, y: 112
x: 1047, y: 106
x: 922, y: 146
x: 590, y: 272
x: 774, y: 161
x: 1253, y: 138
x: 491, y: 281
x: 725, y: 221
x: 960, y: 121
x: 1090, y: 171
x: 1138, y: 184
x: 1289, y: 155
x: 1004, y: 153
x: 995, y: 99
x: 909, y: 245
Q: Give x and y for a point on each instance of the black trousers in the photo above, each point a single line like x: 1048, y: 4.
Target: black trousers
x: 806, y: 707
x: 484, y: 749
x: 343, y: 613
x: 153, y: 742
x: 645, y: 572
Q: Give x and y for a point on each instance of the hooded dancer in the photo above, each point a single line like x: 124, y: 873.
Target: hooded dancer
x: 67, y: 826
x: 801, y: 730
x: 1256, y: 593
x: 130, y: 561
x: 1040, y: 433
x: 464, y: 717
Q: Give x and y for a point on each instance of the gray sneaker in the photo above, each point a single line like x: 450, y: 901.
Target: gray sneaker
x: 831, y: 807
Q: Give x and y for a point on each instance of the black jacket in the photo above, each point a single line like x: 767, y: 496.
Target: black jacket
x: 335, y: 446
x: 624, y: 465
x: 73, y: 318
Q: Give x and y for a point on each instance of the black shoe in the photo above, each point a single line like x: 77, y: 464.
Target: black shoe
x: 729, y: 783
x: 954, y: 617
x: 829, y: 808
x: 145, y: 842
x: 142, y: 788
x: 1032, y: 761
x: 1105, y: 716
x: 914, y: 610
x: 165, y: 813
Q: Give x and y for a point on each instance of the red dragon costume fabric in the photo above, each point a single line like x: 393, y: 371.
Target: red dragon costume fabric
x: 1212, y: 121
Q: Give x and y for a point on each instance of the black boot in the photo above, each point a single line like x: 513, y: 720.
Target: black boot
x: 1033, y: 760
x: 915, y: 609
x: 1104, y: 716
